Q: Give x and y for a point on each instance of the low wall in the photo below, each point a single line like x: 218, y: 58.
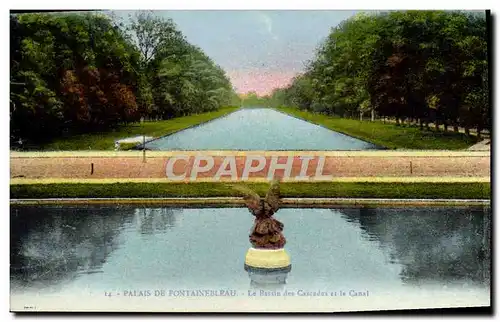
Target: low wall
x: 248, y: 165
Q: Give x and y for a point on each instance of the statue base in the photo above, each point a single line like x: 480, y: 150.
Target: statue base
x: 267, y: 267
x: 258, y: 258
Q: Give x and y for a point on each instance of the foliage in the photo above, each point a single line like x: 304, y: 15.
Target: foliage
x: 74, y: 73
x: 252, y: 99
x: 425, y: 66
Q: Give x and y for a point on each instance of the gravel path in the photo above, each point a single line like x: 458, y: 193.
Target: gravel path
x: 133, y: 167
x: 484, y: 145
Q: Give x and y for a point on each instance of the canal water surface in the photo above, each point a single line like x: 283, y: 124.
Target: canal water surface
x: 258, y: 129
x: 372, y: 252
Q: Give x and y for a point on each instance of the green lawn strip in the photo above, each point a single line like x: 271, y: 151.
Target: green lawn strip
x: 288, y: 190
x: 387, y: 135
x: 127, y: 146
x: 106, y: 140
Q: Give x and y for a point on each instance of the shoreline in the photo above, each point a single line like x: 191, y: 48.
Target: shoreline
x: 326, y: 153
x: 239, y: 202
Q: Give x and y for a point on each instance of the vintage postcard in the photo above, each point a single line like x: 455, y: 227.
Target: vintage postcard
x: 250, y: 161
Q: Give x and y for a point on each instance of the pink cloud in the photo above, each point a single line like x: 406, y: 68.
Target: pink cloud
x: 260, y: 81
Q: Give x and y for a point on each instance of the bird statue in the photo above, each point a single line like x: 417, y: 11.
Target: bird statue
x: 267, y: 231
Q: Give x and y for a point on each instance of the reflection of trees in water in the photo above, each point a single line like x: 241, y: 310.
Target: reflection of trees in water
x: 151, y: 220
x: 431, y: 243
x: 50, y: 244
x: 370, y: 218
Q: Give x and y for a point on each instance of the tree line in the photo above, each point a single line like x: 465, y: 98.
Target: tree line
x: 81, y: 72
x: 253, y: 99
x: 422, y: 67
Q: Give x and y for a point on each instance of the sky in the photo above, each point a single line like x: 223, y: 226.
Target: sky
x: 259, y: 50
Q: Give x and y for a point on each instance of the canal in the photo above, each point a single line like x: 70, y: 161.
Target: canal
x: 258, y: 129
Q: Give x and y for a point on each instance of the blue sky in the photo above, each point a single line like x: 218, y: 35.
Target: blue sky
x: 258, y: 50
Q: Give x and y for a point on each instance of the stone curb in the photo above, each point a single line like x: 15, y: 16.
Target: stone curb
x: 285, y: 202
x: 154, y: 154
x: 440, y: 179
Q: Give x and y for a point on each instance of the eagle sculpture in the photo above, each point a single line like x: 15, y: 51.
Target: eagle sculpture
x: 267, y: 231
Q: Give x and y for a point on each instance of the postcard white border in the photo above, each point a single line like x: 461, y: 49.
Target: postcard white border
x: 193, y: 4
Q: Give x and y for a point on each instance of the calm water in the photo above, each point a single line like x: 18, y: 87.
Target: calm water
x: 384, y: 251
x: 258, y: 129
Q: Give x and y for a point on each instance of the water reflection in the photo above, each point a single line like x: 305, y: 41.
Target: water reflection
x: 56, y: 244
x: 155, y: 220
x: 51, y: 245
x: 136, y: 247
x: 446, y: 245
x: 272, y: 280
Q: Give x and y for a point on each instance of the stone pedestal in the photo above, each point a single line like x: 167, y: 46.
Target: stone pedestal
x: 267, y: 268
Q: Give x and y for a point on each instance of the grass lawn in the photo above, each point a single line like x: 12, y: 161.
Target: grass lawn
x: 300, y: 189
x: 106, y: 140
x: 387, y: 135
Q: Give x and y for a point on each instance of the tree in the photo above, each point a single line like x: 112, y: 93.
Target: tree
x: 153, y: 34
x: 75, y: 73
x: 413, y: 66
